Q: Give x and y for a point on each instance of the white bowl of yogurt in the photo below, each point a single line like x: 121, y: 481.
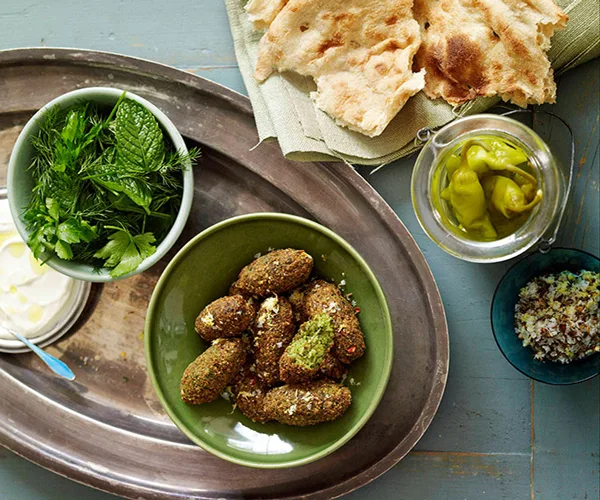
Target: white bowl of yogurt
x: 35, y: 300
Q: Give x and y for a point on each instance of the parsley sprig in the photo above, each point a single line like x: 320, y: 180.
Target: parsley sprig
x: 107, y: 188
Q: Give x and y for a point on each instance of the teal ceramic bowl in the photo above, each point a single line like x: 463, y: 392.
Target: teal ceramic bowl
x: 20, y: 182
x: 503, y: 311
x: 202, y: 272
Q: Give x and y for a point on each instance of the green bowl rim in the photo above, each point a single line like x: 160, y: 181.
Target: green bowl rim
x: 493, y: 303
x: 378, y: 393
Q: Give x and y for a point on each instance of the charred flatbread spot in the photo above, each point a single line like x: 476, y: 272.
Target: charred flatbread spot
x: 477, y: 36
x: 531, y: 77
x: 335, y: 41
x: 303, y: 27
x: 393, y: 45
x: 391, y: 20
x: 341, y: 16
x: 463, y: 61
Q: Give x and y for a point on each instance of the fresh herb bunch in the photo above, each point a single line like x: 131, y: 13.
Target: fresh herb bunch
x: 107, y: 188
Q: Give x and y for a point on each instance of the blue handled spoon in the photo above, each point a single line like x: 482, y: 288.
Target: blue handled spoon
x: 56, y: 365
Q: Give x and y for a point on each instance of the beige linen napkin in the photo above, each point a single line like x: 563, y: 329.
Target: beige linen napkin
x: 284, y: 111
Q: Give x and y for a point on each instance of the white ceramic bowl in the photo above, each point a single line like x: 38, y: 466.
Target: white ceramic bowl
x: 20, y: 182
x: 77, y: 301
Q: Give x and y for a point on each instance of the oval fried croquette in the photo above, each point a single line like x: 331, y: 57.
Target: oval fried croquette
x: 209, y: 374
x: 273, y: 329
x: 322, y: 297
x: 332, y: 368
x: 225, y: 317
x: 307, y: 404
x: 307, y: 351
x: 249, y: 394
x: 296, y: 299
x: 279, y: 271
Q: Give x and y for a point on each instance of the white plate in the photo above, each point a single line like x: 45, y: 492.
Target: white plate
x: 78, y: 301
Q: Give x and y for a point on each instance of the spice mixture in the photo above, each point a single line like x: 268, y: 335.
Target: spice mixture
x: 557, y: 315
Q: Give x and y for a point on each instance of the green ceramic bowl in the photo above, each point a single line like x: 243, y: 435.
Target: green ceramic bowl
x: 202, y: 272
x: 20, y: 182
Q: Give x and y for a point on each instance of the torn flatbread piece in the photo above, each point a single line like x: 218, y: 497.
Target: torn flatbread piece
x: 476, y: 48
x: 262, y: 12
x: 359, y: 52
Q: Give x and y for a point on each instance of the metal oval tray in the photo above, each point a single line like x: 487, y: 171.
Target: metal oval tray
x: 107, y: 429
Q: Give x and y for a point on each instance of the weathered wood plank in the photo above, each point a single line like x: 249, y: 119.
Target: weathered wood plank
x: 566, y: 454
x: 452, y: 476
x: 178, y: 32
x: 23, y: 480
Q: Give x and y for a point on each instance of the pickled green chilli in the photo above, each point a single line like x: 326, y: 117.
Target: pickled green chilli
x: 491, y: 191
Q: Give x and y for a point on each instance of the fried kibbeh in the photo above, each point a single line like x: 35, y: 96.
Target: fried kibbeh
x: 307, y: 404
x: 332, y: 368
x: 279, y: 271
x: 304, y: 356
x: 296, y: 299
x: 249, y: 394
x: 322, y: 297
x: 225, y: 317
x: 208, y: 375
x: 274, y: 328
x: 257, y: 344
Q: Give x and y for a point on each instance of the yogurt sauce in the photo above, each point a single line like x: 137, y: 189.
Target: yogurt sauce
x: 33, y: 297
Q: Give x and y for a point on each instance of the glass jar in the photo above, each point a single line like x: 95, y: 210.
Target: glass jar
x: 429, y: 179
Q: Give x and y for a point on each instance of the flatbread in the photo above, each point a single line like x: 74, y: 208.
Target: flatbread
x: 359, y: 52
x: 475, y: 48
x: 262, y: 12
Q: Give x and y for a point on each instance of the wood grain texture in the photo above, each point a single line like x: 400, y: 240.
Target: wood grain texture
x: 488, y: 408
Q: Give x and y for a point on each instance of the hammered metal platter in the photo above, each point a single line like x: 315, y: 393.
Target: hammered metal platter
x: 108, y: 429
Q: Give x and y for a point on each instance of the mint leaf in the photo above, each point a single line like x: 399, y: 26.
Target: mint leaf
x: 63, y: 250
x: 106, y: 176
x: 125, y: 253
x: 138, y: 191
x: 74, y: 231
x: 117, y: 181
x: 140, y: 145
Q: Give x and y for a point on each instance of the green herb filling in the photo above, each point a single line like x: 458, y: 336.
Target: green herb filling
x: 312, y: 342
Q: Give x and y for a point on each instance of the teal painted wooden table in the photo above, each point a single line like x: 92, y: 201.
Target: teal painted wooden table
x: 497, y: 435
